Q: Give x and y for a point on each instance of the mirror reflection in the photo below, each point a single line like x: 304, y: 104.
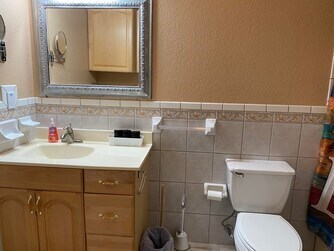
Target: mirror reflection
x: 101, y: 46
x: 2, y: 28
x: 3, y: 53
x: 61, y: 43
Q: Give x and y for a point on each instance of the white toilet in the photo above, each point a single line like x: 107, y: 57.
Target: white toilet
x: 258, y: 191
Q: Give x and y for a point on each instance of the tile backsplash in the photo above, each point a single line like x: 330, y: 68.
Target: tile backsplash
x: 183, y: 160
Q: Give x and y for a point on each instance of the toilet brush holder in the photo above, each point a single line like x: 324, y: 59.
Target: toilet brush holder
x: 181, y: 241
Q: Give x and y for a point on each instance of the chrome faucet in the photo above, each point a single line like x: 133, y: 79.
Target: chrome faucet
x: 68, y: 135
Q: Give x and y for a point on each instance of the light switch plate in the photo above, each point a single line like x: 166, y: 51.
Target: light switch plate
x: 9, y: 95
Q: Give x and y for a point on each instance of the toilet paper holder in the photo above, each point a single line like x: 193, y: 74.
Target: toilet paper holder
x: 216, y: 187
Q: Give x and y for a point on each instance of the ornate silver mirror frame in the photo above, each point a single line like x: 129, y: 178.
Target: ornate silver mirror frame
x: 142, y: 91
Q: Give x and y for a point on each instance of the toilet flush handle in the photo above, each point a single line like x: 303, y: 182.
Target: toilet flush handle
x: 241, y: 175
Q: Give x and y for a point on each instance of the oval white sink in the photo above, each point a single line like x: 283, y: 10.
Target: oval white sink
x: 63, y: 151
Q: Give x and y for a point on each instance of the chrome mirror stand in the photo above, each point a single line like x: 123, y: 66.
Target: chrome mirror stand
x: 3, y: 53
x: 54, y: 59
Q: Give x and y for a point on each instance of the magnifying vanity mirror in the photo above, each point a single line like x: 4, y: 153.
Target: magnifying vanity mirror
x: 106, y: 44
x: 2, y: 28
x: 3, y: 56
x: 60, y: 46
x: 61, y: 43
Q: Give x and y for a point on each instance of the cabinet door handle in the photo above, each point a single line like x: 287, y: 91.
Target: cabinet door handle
x: 29, y: 206
x: 37, y: 205
x: 241, y: 175
x: 107, y: 183
x: 113, y: 216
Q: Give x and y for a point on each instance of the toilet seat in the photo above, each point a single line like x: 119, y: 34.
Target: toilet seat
x: 263, y: 232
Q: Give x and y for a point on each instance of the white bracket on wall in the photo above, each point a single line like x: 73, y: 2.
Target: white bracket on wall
x: 9, y: 130
x: 28, y: 127
x: 156, y: 124
x: 209, y: 129
x: 210, y: 126
x: 26, y: 123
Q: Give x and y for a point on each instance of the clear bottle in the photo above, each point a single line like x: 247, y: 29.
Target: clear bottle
x: 53, y: 133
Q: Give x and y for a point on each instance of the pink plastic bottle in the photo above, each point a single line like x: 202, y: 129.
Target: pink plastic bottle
x: 53, y: 133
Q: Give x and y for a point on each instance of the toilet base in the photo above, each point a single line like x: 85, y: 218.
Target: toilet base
x: 263, y: 232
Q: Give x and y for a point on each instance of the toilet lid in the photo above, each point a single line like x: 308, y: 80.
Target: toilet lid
x: 263, y: 232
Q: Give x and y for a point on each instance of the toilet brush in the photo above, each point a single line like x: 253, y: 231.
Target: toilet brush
x: 181, y: 242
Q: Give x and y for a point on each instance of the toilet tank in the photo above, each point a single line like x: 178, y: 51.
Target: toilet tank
x: 258, y: 186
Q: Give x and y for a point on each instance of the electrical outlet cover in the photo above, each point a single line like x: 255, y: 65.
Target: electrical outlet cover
x: 9, y: 96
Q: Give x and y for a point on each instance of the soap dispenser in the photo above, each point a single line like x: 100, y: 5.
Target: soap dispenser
x: 53, y: 133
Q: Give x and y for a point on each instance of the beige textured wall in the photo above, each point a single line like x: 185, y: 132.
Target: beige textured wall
x: 74, y: 24
x: 259, y: 51
x: 216, y: 51
x: 19, y: 67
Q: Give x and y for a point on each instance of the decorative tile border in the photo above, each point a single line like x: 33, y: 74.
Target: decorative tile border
x: 288, y: 118
x: 68, y: 109
x: 230, y: 116
x: 200, y: 114
x: 147, y: 113
x: 17, y: 112
x: 271, y: 117
x: 121, y: 112
x: 46, y: 109
x: 314, y: 118
x: 168, y: 110
x: 95, y: 111
x: 174, y: 114
x: 259, y: 117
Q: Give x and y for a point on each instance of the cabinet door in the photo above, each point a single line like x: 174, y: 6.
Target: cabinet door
x: 112, y: 40
x: 18, y: 225
x: 60, y: 221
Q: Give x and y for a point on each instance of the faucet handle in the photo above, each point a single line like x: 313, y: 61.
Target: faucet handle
x: 68, y: 128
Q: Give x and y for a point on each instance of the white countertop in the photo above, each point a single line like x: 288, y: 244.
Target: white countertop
x: 87, y: 155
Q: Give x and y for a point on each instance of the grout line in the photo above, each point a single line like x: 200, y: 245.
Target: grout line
x: 271, y: 138
x: 242, y: 137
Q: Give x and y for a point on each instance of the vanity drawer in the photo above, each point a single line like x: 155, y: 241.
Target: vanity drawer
x: 110, y: 182
x: 109, y: 243
x: 109, y: 214
x: 41, y: 178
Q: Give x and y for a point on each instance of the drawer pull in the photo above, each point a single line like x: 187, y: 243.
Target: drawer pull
x: 116, y: 182
x: 112, y: 217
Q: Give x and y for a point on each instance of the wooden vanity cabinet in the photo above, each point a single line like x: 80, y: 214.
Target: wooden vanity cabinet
x: 60, y: 221
x: 58, y: 209
x: 17, y: 224
x: 33, y: 219
x: 116, y: 209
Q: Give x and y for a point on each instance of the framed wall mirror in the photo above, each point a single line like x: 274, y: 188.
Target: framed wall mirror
x: 107, y: 45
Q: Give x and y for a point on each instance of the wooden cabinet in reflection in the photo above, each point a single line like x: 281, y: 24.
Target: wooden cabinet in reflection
x: 113, y: 40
